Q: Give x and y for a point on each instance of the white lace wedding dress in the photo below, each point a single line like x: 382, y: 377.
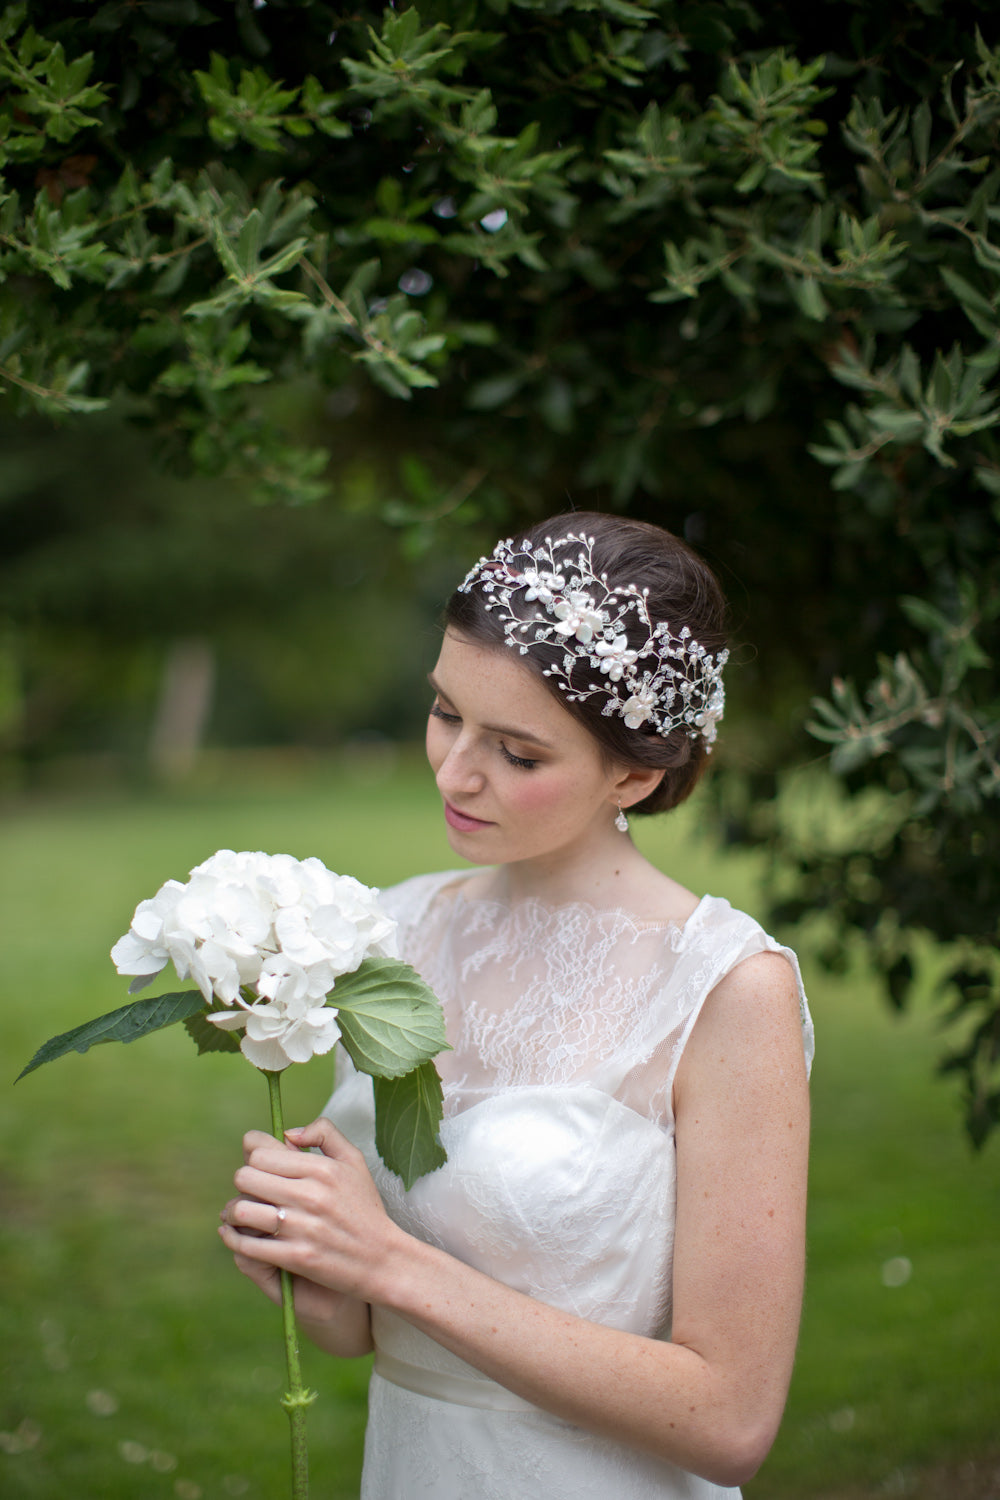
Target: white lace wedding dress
x: 567, y: 1026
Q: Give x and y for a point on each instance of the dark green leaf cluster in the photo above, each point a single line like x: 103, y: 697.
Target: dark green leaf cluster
x: 946, y: 742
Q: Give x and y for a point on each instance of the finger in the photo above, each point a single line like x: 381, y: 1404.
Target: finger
x: 254, y: 1216
x: 323, y: 1134
x: 268, y: 1278
x: 271, y: 1180
x: 287, y: 1161
x: 243, y: 1198
x: 254, y: 1140
x: 266, y: 1249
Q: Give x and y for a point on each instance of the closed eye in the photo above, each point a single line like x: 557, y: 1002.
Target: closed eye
x: 517, y: 760
x: 521, y: 761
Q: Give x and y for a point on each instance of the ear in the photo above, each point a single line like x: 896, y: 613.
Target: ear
x: 636, y: 785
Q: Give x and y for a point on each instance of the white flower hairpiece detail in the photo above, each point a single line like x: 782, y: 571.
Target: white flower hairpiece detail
x: 668, y: 681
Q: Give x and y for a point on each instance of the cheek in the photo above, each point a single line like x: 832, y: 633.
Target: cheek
x: 544, y: 797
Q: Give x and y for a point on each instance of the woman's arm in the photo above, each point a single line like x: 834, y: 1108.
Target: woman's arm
x: 710, y: 1400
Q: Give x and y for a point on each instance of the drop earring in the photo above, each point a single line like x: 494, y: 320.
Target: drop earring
x: 621, y: 822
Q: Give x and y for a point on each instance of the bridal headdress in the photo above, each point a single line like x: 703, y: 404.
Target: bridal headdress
x: 549, y: 594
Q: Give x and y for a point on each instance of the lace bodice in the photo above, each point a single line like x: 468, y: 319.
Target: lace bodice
x: 567, y: 1025
x: 535, y: 994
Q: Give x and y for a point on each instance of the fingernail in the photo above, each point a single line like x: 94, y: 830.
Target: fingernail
x: 295, y: 1130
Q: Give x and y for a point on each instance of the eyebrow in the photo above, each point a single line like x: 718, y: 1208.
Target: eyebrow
x: 504, y: 729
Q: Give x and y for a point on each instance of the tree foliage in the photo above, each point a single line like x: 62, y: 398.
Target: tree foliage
x: 733, y: 264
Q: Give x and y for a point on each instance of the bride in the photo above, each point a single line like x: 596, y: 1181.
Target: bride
x: 598, y: 1295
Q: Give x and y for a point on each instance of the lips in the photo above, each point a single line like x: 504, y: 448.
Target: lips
x: 461, y: 821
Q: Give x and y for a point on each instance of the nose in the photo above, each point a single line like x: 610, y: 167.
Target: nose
x: 459, y: 774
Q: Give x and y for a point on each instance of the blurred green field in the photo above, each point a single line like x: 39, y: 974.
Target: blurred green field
x: 134, y: 1362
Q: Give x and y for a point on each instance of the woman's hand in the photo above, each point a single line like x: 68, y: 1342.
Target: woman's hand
x: 317, y: 1216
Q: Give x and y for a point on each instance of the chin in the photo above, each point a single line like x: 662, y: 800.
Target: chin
x: 462, y: 845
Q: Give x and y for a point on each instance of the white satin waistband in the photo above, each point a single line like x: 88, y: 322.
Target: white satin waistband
x: 460, y: 1390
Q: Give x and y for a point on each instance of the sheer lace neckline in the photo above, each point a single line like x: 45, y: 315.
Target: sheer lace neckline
x: 454, y: 886
x: 538, y: 993
x: 547, y: 993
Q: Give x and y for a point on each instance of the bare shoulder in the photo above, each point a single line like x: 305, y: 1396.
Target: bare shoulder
x: 756, y: 984
x: 749, y: 1032
x: 763, y: 979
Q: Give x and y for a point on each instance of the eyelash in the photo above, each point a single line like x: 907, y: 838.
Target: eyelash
x: 520, y: 761
x: 517, y: 760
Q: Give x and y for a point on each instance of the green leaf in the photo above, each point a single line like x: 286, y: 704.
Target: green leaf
x: 247, y: 253
x: 922, y: 121
x: 126, y: 1024
x: 390, y: 1020
x: 853, y: 753
x: 408, y: 1114
x: 209, y: 1038
x: 977, y: 308
x: 283, y: 259
x: 924, y: 615
x: 494, y: 391
x: 809, y: 298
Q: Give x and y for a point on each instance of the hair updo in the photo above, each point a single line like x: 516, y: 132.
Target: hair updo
x: 682, y: 591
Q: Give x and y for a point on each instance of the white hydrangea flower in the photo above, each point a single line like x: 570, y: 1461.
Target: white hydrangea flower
x: 143, y: 950
x: 268, y: 936
x: 291, y: 1027
x: 277, y: 1035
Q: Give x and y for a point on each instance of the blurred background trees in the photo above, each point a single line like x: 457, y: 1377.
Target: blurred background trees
x: 410, y: 277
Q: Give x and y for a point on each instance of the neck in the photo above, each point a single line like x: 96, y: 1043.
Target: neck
x: 604, y: 878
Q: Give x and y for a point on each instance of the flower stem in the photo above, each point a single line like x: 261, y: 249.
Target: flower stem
x: 297, y: 1398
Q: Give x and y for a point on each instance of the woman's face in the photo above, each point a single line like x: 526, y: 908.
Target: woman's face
x: 520, y: 777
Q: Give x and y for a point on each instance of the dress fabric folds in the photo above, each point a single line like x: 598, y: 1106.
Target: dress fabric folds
x: 567, y: 1024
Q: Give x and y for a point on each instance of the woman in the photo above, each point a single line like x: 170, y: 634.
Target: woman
x: 598, y: 1295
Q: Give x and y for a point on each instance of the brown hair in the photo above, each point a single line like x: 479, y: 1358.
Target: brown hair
x: 683, y: 590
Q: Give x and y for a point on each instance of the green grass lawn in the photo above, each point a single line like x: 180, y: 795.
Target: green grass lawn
x: 134, y: 1362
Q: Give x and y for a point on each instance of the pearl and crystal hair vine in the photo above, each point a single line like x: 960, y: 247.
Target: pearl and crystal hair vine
x: 667, y: 680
